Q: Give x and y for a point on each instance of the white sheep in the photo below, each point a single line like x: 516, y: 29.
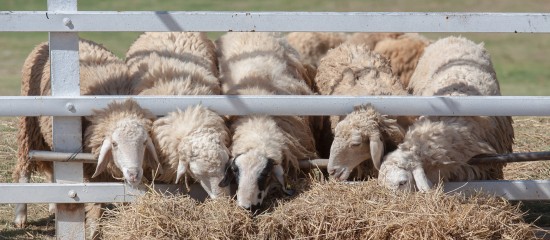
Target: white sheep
x: 117, y: 135
x: 364, y: 134
x: 438, y: 148
x: 263, y: 147
x: 195, y: 141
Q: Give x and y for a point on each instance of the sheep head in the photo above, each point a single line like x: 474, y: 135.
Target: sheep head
x: 402, y: 171
x: 360, y: 136
x: 254, y: 173
x: 119, y: 135
x: 205, y: 157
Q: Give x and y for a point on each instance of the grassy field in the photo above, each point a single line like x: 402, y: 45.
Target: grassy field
x: 521, y: 61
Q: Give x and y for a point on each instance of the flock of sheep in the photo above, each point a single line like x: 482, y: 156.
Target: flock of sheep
x: 260, y: 151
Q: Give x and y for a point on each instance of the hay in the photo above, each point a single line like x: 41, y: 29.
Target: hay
x: 326, y: 211
x: 155, y: 216
x: 531, y: 136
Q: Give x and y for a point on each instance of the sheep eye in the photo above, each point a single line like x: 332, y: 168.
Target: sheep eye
x: 145, y: 143
x: 115, y: 144
x: 355, y: 144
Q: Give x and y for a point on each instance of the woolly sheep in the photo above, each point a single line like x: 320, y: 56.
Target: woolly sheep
x: 403, y: 53
x: 363, y: 134
x: 263, y: 146
x: 438, y: 148
x: 312, y: 46
x: 105, y: 135
x: 195, y: 141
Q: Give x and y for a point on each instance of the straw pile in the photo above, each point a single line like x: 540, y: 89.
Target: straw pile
x: 326, y: 210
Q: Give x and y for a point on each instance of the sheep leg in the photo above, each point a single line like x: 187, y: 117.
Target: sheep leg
x: 21, y: 208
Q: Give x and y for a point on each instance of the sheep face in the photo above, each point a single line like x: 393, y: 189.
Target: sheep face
x: 352, y: 145
x: 345, y: 155
x: 402, y: 171
x: 127, y: 144
x: 253, y: 172
x: 207, y: 163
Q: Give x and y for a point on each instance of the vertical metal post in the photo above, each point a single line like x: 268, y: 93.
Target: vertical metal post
x: 67, y: 131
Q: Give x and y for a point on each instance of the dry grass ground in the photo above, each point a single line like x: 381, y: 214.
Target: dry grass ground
x: 41, y: 224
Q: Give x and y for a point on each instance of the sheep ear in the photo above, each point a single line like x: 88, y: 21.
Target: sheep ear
x: 280, y: 176
x: 376, y: 151
x: 182, y: 168
x: 155, y: 164
x: 102, y: 160
x: 422, y: 182
x: 228, y: 176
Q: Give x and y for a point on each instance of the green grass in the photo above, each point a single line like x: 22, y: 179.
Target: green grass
x: 521, y: 60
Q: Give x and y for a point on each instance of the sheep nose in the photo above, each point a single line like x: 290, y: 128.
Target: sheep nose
x: 133, y: 174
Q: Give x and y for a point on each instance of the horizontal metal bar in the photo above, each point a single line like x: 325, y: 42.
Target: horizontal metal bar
x: 510, y: 157
x: 35, y: 155
x: 85, y: 192
x: 509, y: 189
x: 61, y: 157
x: 92, y: 21
x: 63, y: 193
x: 287, y: 105
x: 313, y: 163
x: 119, y: 192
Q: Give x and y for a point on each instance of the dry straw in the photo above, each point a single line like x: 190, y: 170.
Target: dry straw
x: 326, y: 210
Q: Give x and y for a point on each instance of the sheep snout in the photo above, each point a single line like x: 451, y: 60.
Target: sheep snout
x: 133, y: 175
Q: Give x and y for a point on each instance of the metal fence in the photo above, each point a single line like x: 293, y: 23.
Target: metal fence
x: 63, y: 22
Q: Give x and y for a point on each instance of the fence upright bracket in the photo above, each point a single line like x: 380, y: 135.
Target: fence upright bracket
x: 67, y: 131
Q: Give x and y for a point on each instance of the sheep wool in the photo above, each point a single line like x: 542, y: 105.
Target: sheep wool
x: 174, y: 63
x: 438, y: 148
x: 312, y: 46
x: 403, y: 53
x: 354, y: 70
x: 370, y: 39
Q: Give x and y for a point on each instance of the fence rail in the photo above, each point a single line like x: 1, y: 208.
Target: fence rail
x: 109, y: 21
x: 287, y: 105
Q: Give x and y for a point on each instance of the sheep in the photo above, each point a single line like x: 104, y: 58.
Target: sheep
x: 363, y: 134
x: 403, y: 53
x: 263, y: 146
x: 312, y: 46
x: 110, y: 134
x: 195, y: 141
x: 437, y: 148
